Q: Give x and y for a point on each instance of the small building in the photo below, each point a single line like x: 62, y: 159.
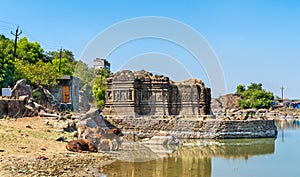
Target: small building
x: 67, y: 92
x: 100, y: 63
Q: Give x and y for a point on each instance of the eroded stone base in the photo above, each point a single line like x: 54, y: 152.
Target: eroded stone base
x: 194, y: 128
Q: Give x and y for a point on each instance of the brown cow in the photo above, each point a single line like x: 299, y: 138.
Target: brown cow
x: 108, y: 136
x: 81, y: 129
x: 104, y: 138
x: 82, y: 145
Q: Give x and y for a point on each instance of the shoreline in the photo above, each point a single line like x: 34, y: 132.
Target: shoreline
x: 28, y: 147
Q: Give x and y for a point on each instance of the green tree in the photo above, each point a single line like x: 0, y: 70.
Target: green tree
x: 99, y: 94
x: 66, y: 67
x: 67, y: 63
x: 92, y: 81
x: 40, y: 73
x: 240, y: 89
x: 29, y: 63
x: 255, y: 86
x: 86, y: 75
x: 31, y: 52
x: 99, y: 86
x: 6, y: 61
x: 64, y: 54
x: 254, y: 96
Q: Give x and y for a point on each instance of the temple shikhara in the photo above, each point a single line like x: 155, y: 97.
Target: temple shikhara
x: 143, y: 93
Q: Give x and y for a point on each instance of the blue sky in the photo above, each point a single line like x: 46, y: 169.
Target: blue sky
x: 255, y: 41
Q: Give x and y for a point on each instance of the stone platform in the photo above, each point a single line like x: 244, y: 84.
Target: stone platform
x: 136, y: 128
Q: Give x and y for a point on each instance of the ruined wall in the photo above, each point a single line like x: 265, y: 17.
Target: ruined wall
x: 120, y: 94
x: 142, y: 93
x: 146, y: 127
x: 195, y: 98
x: 13, y: 108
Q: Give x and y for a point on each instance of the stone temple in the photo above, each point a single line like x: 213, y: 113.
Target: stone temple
x: 143, y: 93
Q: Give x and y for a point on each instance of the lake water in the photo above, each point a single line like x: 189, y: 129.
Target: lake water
x: 214, y: 158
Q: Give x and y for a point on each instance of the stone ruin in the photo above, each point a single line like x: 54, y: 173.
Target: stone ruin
x: 143, y: 93
x: 225, y: 103
x: 25, y: 102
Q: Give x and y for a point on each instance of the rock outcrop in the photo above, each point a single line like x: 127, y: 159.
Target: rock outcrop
x: 92, y: 119
x: 27, y: 103
x: 44, y: 97
x: 21, y: 89
x: 223, y: 103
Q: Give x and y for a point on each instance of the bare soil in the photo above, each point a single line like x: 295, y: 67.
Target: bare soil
x: 28, y: 147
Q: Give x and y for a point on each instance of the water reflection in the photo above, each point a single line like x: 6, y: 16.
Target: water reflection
x: 288, y: 124
x: 193, y: 158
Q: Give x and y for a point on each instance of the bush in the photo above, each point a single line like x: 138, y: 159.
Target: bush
x: 254, y: 96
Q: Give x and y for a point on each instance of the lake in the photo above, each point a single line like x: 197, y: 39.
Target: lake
x: 214, y: 158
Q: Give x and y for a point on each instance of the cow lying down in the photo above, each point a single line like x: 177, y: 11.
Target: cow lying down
x: 104, y: 138
x: 82, y: 145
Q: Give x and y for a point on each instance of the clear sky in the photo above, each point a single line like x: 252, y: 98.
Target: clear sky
x: 254, y: 40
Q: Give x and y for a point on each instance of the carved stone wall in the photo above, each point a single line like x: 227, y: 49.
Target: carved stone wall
x: 142, y: 93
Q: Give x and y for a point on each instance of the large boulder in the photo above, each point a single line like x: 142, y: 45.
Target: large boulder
x: 44, y: 97
x: 92, y: 119
x: 162, y: 138
x: 21, y: 89
x: 67, y: 126
x: 33, y: 108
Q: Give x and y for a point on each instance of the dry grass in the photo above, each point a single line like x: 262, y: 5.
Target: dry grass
x: 23, y: 141
x: 17, y: 138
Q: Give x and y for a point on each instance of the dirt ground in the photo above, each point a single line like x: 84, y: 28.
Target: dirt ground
x: 28, y: 147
